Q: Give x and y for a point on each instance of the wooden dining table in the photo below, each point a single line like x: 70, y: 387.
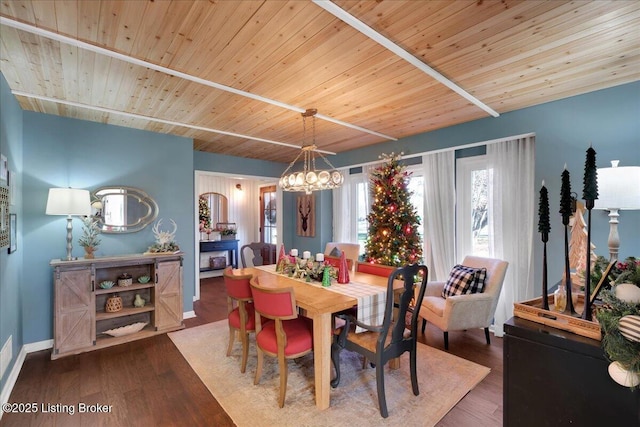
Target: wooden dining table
x: 319, y: 305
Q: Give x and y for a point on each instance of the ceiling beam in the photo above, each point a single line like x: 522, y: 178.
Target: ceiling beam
x: 360, y: 26
x: 154, y: 119
x: 131, y: 60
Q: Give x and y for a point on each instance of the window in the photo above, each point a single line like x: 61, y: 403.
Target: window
x: 268, y: 215
x: 472, y: 207
x: 416, y: 186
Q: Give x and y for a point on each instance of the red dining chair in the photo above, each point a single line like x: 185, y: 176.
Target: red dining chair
x: 335, y: 262
x: 375, y: 269
x: 283, y: 335
x: 240, y: 312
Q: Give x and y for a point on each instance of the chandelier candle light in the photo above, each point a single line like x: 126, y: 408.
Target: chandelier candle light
x: 310, y: 179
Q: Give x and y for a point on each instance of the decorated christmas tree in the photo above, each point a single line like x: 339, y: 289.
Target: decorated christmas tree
x: 393, y: 222
x: 204, y: 214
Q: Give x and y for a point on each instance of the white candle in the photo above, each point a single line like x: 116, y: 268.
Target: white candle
x: 294, y: 252
x: 319, y: 257
x: 306, y: 255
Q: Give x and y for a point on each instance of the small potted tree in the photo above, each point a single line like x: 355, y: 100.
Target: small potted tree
x: 90, y: 238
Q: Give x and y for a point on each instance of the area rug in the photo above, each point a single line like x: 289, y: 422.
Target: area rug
x: 444, y: 379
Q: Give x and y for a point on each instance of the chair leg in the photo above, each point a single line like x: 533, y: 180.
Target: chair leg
x: 232, y: 336
x: 258, y: 366
x: 245, y: 352
x: 283, y: 379
x: 424, y: 324
x: 414, y: 371
x: 382, y: 401
x: 335, y: 358
x: 446, y: 340
x: 486, y: 335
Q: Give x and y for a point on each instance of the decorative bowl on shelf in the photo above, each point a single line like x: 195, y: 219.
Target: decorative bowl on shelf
x: 107, y: 284
x: 144, y: 279
x: 126, y: 330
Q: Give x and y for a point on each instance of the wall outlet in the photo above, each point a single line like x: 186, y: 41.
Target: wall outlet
x: 6, y: 354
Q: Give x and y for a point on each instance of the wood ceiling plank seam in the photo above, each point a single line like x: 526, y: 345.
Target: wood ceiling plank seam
x: 508, y: 51
x: 44, y: 14
x: 574, y: 77
x: 382, y: 93
x: 143, y: 43
x: 11, y: 42
x: 247, y: 94
x: 162, y: 33
x: 20, y: 10
x: 562, y: 65
x: 407, y: 56
x: 255, y: 29
x: 304, y: 25
x: 88, y: 18
x: 271, y: 46
x: 99, y: 79
x: 580, y: 54
x: 449, y: 46
x: 66, y: 14
x: 70, y: 70
x: 125, y: 32
x: 313, y: 72
x: 506, y: 42
x: 211, y: 34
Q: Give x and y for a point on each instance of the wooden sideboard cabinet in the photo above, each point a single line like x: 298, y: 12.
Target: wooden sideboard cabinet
x: 556, y: 378
x: 80, y: 319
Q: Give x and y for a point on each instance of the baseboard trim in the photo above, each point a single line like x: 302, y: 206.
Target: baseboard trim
x: 189, y: 314
x: 17, y: 367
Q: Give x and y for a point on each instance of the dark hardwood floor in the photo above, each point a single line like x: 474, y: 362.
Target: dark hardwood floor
x: 148, y: 382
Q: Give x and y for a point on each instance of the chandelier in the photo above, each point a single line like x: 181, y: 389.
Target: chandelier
x: 310, y: 179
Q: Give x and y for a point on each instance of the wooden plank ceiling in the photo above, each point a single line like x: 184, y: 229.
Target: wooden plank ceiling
x: 293, y: 55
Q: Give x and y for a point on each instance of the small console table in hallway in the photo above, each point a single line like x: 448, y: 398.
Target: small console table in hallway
x: 230, y: 246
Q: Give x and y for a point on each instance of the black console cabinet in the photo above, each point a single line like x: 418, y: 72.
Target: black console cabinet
x: 557, y: 378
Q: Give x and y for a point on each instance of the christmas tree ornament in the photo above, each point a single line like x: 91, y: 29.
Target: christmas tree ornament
x: 326, y: 276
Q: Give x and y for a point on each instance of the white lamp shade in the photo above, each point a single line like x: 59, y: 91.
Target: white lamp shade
x: 618, y: 188
x: 68, y: 201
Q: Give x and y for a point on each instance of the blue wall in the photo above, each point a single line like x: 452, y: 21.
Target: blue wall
x: 11, y: 271
x: 609, y: 119
x: 62, y: 152
x: 48, y: 151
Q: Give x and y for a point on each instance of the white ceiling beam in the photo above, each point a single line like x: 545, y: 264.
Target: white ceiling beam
x: 157, y: 120
x: 399, y: 51
x: 131, y: 60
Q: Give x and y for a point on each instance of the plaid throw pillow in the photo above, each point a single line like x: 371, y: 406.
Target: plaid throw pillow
x: 464, y: 280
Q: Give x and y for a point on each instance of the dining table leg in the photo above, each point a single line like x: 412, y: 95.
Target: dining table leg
x: 322, y: 358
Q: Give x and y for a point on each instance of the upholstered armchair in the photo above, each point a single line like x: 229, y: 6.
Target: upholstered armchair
x: 461, y: 312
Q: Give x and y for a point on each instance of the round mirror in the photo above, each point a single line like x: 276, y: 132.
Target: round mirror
x: 123, y: 209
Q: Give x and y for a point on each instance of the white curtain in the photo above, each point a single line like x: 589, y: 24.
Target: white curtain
x: 345, y: 205
x: 512, y: 203
x: 439, y: 221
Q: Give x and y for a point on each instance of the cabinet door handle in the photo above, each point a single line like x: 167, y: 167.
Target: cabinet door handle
x: 156, y: 277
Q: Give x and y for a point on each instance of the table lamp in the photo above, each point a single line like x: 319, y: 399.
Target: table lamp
x: 68, y: 201
x: 618, y: 188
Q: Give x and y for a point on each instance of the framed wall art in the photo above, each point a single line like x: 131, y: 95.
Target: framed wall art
x: 306, y: 222
x: 4, y: 217
x: 13, y: 233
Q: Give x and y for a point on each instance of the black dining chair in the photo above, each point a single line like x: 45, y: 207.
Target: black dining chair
x: 380, y: 344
